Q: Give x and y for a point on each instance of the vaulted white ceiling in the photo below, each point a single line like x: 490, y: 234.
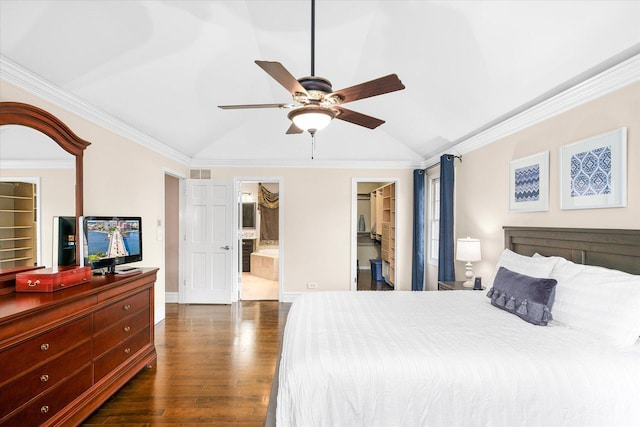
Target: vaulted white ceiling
x: 162, y: 67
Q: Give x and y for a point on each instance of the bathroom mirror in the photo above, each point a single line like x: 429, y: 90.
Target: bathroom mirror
x: 13, y: 113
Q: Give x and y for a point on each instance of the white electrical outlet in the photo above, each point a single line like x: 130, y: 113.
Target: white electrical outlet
x: 312, y: 285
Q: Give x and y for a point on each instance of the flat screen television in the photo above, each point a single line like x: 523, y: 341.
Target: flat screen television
x: 111, y: 241
x: 249, y: 215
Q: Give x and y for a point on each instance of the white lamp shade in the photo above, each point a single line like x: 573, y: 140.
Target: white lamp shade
x: 468, y: 250
x: 311, y: 117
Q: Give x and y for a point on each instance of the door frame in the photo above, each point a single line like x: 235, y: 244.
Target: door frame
x: 162, y: 233
x: 237, y: 186
x: 354, y: 223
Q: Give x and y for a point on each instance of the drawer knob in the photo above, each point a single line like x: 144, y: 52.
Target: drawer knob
x: 127, y: 350
x: 44, y: 409
x: 127, y: 328
x: 32, y: 284
x: 44, y: 347
x: 127, y: 307
x: 44, y: 378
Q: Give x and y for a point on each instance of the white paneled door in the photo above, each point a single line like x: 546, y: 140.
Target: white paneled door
x: 209, y: 240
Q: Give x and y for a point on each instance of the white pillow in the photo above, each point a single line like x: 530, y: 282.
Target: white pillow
x: 539, y: 267
x: 599, y: 301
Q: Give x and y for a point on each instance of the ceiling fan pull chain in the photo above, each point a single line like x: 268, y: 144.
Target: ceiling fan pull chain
x: 316, y: 103
x: 313, y: 145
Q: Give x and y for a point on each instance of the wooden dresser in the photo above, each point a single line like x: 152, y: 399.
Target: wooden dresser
x: 63, y: 354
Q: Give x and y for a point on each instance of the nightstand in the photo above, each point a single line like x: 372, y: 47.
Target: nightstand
x: 453, y: 286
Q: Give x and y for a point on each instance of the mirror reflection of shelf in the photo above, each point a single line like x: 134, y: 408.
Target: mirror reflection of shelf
x: 17, y: 224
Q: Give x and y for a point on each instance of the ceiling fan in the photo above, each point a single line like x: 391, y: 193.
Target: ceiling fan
x: 316, y: 103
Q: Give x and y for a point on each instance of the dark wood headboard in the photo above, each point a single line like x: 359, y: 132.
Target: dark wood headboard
x: 617, y: 249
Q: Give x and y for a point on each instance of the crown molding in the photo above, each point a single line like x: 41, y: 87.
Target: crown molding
x: 580, y: 90
x: 306, y: 164
x: 25, y: 79
x: 612, y: 75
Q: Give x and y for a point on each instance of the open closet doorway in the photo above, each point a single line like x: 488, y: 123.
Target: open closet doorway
x: 373, y: 235
x: 259, y: 263
x: 171, y: 230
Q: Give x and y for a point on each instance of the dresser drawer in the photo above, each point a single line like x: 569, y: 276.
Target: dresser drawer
x: 41, y: 348
x: 26, y: 387
x: 121, y: 331
x: 40, y: 409
x: 120, y: 353
x: 109, y: 315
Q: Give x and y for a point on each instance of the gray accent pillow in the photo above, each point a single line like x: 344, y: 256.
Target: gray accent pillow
x: 529, y: 298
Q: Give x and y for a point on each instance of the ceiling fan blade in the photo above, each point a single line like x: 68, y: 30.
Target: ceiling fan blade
x: 293, y: 129
x: 357, y: 118
x: 239, y: 107
x: 282, y: 76
x: 382, y: 85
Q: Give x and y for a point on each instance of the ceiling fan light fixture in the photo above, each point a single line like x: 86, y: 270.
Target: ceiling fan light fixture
x: 316, y: 101
x: 311, y: 117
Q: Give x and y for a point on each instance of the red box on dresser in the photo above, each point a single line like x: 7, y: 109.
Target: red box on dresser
x: 52, y: 279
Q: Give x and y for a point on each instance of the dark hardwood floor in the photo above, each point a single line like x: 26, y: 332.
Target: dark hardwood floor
x: 366, y: 282
x: 215, y: 367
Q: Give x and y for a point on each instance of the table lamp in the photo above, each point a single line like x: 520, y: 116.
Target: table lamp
x: 468, y: 250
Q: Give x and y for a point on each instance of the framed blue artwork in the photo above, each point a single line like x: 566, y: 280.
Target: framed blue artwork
x: 593, y: 172
x: 529, y: 183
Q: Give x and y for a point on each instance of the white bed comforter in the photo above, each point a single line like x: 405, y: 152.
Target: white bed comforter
x: 445, y: 359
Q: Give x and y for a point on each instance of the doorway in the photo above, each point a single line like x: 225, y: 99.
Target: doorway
x: 373, y: 235
x: 171, y: 234
x: 259, y: 223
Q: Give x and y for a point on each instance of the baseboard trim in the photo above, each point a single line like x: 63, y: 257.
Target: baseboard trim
x: 289, y: 296
x: 171, y: 297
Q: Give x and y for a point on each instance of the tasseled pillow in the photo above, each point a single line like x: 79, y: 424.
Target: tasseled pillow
x: 529, y: 298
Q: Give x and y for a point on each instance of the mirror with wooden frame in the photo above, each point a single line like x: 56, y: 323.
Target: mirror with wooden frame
x: 15, y: 113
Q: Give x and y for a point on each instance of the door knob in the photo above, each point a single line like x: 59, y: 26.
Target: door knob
x: 226, y: 248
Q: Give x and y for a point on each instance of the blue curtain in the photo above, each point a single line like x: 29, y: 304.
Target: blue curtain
x: 446, y: 269
x: 417, y: 265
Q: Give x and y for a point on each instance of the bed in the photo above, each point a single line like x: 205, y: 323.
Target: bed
x: 457, y: 359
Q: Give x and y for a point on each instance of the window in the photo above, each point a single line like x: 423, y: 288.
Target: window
x: 433, y: 219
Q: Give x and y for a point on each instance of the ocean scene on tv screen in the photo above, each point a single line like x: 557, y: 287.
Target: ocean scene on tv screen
x: 112, y: 239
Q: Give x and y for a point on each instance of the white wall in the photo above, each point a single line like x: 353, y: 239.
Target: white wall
x: 121, y: 177
x: 124, y: 178
x: 316, y: 209
x: 482, y: 207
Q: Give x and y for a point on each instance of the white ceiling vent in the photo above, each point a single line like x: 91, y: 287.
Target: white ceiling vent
x: 200, y: 173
